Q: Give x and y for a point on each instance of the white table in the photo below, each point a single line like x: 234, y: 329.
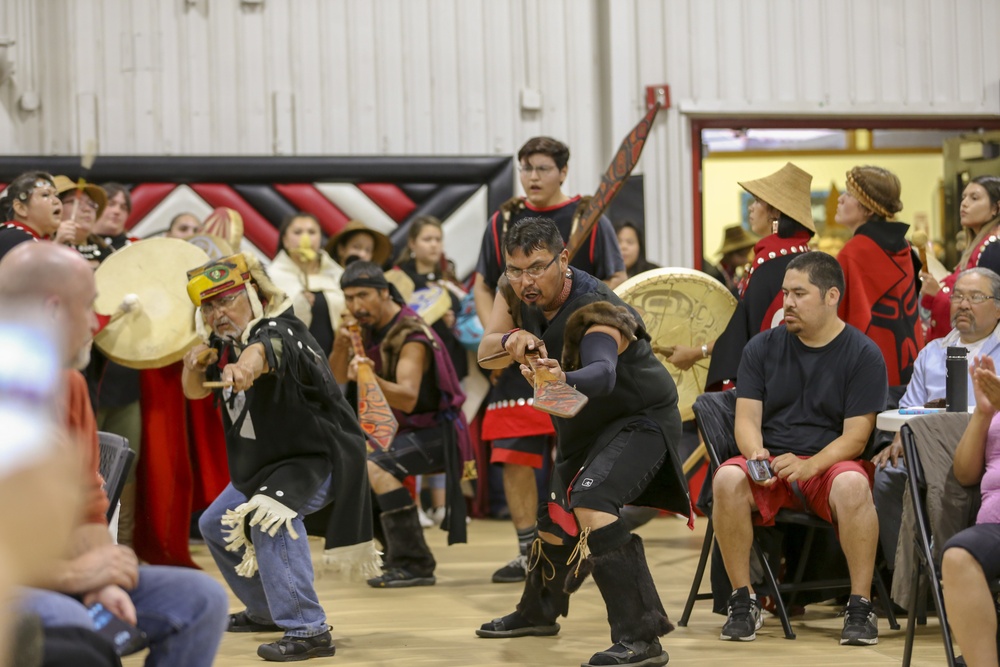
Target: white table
x: 891, y: 420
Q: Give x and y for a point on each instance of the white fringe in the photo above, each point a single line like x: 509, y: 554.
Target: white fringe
x: 356, y: 562
x: 236, y: 539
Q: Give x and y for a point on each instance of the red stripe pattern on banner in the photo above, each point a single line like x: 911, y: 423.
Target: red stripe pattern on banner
x: 145, y: 198
x: 306, y: 197
x: 256, y: 228
x: 390, y: 198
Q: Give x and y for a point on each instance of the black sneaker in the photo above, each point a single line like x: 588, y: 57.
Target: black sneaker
x: 860, y: 623
x: 744, y: 617
x: 513, y: 572
x: 397, y: 577
x: 241, y: 622
x: 292, y: 649
x: 635, y: 654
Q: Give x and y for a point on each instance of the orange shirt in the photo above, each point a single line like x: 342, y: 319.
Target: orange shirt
x: 83, y: 428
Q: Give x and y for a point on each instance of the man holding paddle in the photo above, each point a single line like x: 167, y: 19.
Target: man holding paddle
x: 415, y: 375
x: 618, y: 448
x: 294, y: 446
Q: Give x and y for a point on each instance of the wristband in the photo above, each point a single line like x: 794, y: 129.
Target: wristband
x: 503, y: 339
x: 704, y: 351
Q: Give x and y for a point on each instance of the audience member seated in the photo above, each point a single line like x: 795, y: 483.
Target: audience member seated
x: 975, y: 312
x: 807, y: 398
x: 972, y: 558
x: 182, y: 612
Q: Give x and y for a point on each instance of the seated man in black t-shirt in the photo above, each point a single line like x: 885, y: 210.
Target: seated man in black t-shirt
x: 806, y: 403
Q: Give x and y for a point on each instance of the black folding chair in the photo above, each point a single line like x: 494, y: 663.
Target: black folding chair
x: 927, y: 573
x: 116, y: 461
x: 716, y: 413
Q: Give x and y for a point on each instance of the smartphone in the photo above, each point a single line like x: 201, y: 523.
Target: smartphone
x: 125, y: 637
x: 760, y: 471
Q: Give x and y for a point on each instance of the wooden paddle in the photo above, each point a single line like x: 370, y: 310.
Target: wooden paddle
x: 374, y: 412
x: 552, y: 395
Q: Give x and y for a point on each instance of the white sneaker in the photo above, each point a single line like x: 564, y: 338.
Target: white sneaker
x: 425, y: 521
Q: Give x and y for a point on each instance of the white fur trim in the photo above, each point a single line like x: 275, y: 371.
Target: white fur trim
x: 356, y: 562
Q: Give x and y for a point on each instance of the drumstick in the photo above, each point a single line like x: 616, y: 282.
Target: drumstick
x: 920, y: 240
x: 222, y: 384
x: 205, y: 356
x: 493, y: 357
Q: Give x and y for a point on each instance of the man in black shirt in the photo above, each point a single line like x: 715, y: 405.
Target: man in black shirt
x: 806, y: 403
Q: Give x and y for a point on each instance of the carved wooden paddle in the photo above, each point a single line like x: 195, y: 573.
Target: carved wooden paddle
x: 374, y: 413
x: 552, y: 395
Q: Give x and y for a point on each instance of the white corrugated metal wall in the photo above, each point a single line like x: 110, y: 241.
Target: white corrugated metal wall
x: 443, y: 77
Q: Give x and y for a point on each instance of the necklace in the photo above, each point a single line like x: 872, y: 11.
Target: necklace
x: 563, y: 295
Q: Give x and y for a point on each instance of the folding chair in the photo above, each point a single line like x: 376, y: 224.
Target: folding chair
x: 927, y: 573
x: 116, y: 461
x: 716, y: 413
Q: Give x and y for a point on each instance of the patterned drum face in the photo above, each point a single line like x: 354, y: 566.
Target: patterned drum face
x: 680, y: 307
x: 156, y: 325
x: 431, y: 303
x: 214, y: 246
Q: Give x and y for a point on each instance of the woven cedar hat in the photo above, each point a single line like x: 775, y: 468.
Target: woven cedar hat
x: 95, y: 192
x: 381, y: 251
x: 736, y: 238
x: 787, y: 190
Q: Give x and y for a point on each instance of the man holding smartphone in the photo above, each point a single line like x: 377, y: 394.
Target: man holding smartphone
x: 806, y: 405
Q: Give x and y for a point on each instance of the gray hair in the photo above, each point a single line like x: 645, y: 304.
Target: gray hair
x: 990, y: 275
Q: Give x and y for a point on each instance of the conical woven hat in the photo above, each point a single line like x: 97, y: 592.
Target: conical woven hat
x: 787, y: 190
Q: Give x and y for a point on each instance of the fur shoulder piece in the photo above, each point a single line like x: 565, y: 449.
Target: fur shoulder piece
x: 394, y: 340
x: 599, y: 312
x: 510, y: 207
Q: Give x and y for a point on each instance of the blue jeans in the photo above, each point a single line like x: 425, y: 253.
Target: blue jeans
x: 282, y: 591
x: 887, y: 492
x: 183, y: 613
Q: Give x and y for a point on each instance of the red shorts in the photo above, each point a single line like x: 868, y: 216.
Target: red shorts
x: 815, y: 490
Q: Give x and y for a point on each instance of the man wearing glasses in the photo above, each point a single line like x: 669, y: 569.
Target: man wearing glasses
x: 975, y: 312
x: 520, y: 434
x: 619, y: 448
x: 294, y: 446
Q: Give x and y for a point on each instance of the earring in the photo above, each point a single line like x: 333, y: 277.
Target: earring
x: 774, y: 226
x: 569, y: 274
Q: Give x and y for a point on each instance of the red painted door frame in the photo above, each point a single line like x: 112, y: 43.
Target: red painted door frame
x: 972, y: 124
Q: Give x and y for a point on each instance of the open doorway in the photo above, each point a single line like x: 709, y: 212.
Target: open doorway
x: 728, y: 150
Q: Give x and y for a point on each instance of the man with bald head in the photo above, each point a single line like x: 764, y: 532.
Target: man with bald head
x: 182, y: 612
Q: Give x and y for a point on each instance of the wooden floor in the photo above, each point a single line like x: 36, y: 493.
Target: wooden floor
x: 435, y: 625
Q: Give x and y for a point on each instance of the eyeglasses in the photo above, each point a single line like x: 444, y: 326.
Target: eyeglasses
x: 222, y: 303
x: 975, y: 298
x: 540, y: 170
x: 535, y: 271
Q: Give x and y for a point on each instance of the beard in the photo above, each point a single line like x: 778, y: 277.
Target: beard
x: 81, y: 359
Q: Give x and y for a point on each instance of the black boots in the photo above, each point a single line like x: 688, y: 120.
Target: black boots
x: 544, y: 599
x: 408, y: 560
x: 635, y: 612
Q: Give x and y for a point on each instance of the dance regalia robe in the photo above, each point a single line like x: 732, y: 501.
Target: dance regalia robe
x: 987, y: 255
x: 761, y: 303
x: 880, y: 294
